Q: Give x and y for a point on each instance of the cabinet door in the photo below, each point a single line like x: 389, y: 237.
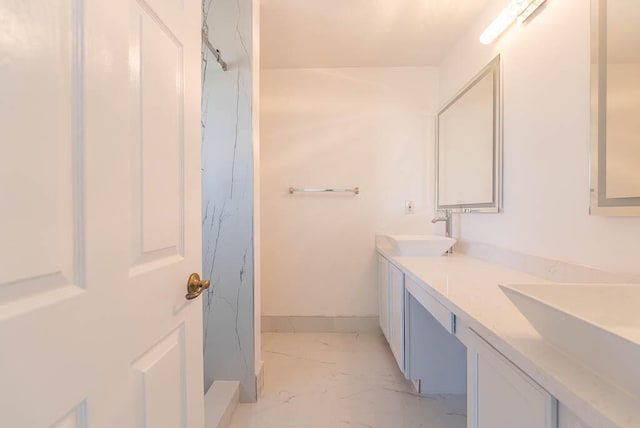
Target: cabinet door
x: 502, y: 396
x: 396, y: 314
x: 383, y: 295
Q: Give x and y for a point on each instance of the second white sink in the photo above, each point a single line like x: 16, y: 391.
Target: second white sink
x: 596, y: 324
x: 419, y: 245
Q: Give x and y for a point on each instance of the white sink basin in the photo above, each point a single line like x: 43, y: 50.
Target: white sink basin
x: 596, y: 324
x: 418, y: 245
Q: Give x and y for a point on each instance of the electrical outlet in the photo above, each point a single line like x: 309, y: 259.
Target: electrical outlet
x: 408, y: 207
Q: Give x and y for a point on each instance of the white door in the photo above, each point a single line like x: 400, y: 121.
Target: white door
x: 100, y: 214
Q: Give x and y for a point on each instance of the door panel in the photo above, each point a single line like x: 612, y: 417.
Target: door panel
x: 100, y: 178
x: 41, y: 222
x: 40, y: 162
x: 160, y: 395
x: 158, y: 155
x: 165, y: 234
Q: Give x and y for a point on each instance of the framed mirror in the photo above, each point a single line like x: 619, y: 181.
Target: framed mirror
x: 615, y: 107
x: 469, y: 146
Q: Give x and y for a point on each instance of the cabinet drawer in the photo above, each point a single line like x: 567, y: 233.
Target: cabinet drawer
x: 445, y: 317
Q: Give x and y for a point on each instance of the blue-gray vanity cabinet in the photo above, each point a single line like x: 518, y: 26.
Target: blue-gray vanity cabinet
x: 433, y: 355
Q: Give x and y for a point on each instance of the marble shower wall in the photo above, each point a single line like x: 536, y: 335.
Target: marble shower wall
x: 227, y: 201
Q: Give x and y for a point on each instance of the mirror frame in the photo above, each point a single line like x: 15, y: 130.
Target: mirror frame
x: 599, y: 203
x: 495, y: 205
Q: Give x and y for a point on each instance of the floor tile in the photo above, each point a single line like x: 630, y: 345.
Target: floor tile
x: 324, y: 380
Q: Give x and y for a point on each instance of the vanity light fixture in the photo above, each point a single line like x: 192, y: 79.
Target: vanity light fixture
x: 516, y: 9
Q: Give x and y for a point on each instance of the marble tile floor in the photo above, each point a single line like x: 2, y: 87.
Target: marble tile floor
x: 326, y: 380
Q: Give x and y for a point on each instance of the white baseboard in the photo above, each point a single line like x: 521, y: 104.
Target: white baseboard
x: 303, y: 324
x: 220, y: 402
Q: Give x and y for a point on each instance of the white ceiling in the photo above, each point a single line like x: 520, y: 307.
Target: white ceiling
x: 361, y: 33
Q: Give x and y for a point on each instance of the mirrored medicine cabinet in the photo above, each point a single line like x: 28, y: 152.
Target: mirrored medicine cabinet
x: 469, y: 146
x: 615, y: 107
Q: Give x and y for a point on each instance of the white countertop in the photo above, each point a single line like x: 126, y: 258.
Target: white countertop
x: 468, y: 287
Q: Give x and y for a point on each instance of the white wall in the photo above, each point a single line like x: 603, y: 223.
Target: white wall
x: 366, y: 127
x: 546, y: 141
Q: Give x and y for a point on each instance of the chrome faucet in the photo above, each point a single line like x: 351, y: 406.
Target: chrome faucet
x: 446, y: 218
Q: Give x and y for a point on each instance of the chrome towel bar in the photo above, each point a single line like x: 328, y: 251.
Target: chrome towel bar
x: 355, y: 190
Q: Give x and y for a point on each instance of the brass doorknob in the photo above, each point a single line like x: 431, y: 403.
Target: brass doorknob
x: 195, y: 286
